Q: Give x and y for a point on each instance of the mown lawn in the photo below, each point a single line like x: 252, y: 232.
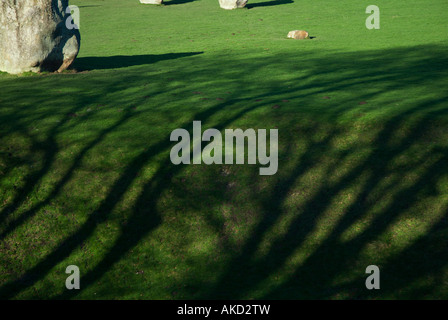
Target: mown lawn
x: 86, y: 178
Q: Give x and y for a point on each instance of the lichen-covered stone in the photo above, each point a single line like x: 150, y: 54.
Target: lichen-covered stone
x: 151, y: 1
x: 34, y: 36
x: 232, y: 4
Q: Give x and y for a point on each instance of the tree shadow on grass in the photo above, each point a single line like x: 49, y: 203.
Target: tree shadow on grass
x: 376, y: 175
x: 116, y: 62
x: 49, y: 147
x: 315, y: 277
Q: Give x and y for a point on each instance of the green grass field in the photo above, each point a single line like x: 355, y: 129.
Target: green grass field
x: 86, y: 178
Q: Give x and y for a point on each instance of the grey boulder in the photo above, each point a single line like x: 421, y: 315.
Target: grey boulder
x: 37, y: 35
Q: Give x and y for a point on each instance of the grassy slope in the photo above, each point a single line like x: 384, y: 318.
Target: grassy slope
x: 85, y: 176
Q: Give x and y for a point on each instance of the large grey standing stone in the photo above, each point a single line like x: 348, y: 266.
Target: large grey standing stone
x: 34, y: 36
x: 232, y: 4
x: 151, y: 1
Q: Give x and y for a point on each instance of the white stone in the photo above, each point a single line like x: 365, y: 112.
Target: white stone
x: 151, y: 1
x: 232, y: 4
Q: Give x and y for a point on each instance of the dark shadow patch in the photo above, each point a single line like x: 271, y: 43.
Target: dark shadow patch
x: 175, y: 2
x: 115, y: 62
x: 268, y: 3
